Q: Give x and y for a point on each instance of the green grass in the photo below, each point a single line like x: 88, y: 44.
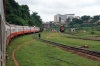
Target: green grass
x: 41, y: 54
x: 13, y: 45
x: 57, y: 37
x: 37, y: 53
x: 84, y: 34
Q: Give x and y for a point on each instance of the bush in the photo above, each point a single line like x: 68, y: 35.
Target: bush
x: 92, y: 33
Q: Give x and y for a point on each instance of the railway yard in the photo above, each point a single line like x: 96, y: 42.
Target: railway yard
x: 54, y: 49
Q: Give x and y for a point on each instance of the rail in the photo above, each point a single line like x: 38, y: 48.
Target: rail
x: 91, y: 54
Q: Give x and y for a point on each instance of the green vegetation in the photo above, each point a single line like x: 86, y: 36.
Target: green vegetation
x: 20, y: 15
x: 14, y: 44
x: 41, y: 54
x: 37, y: 53
x: 84, y: 21
x: 82, y: 34
x: 61, y: 38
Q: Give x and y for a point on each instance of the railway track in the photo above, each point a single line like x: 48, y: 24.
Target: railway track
x: 81, y: 38
x: 94, y: 55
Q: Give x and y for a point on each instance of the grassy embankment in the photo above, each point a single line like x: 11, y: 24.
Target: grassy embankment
x: 57, y: 37
x: 37, y: 53
x: 81, y: 34
x: 14, y: 44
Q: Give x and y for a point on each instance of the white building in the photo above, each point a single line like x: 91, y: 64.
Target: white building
x: 63, y: 18
x: 57, y: 18
x: 77, y: 17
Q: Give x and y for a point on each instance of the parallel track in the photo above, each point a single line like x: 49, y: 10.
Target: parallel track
x: 81, y: 38
x: 94, y: 55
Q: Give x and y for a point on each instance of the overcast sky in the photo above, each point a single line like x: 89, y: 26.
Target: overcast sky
x: 48, y: 8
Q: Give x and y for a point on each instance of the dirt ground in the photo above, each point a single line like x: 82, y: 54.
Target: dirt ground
x: 94, y: 38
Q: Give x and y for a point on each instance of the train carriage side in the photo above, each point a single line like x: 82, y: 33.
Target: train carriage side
x: 20, y: 30
x: 27, y: 29
x: 8, y: 32
x: 32, y: 29
x: 13, y: 31
x: 37, y: 29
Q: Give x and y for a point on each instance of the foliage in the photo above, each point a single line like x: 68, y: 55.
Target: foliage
x: 85, y: 18
x: 85, y: 21
x: 75, y: 22
x: 96, y: 18
x: 36, y: 19
x: 20, y: 14
x: 92, y: 32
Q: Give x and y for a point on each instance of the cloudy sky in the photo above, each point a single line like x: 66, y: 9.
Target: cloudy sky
x: 48, y: 8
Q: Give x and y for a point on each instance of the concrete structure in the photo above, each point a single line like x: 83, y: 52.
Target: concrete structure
x: 57, y: 18
x: 72, y: 29
x: 77, y: 17
x: 46, y: 25
x: 63, y: 18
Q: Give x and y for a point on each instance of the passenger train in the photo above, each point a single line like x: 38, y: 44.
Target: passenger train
x: 9, y: 31
x: 15, y: 30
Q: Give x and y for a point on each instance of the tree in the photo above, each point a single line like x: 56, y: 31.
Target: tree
x: 85, y: 18
x: 75, y: 22
x: 96, y: 18
x: 36, y: 19
x: 20, y: 14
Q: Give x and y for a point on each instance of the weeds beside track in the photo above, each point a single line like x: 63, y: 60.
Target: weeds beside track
x: 94, y: 55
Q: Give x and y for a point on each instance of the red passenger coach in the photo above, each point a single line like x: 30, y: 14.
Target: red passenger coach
x: 27, y: 29
x: 9, y: 31
x: 20, y: 30
x: 15, y: 30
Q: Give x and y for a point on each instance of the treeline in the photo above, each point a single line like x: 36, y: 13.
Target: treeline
x: 85, y: 21
x: 20, y: 15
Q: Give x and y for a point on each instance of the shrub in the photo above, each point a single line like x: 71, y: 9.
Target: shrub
x: 92, y: 33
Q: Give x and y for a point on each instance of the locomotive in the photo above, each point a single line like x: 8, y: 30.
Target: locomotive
x: 62, y: 29
x: 9, y: 31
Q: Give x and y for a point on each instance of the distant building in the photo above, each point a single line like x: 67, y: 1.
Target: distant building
x: 72, y: 29
x: 57, y: 18
x: 71, y: 16
x: 46, y: 25
x: 77, y: 17
x: 63, y: 18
